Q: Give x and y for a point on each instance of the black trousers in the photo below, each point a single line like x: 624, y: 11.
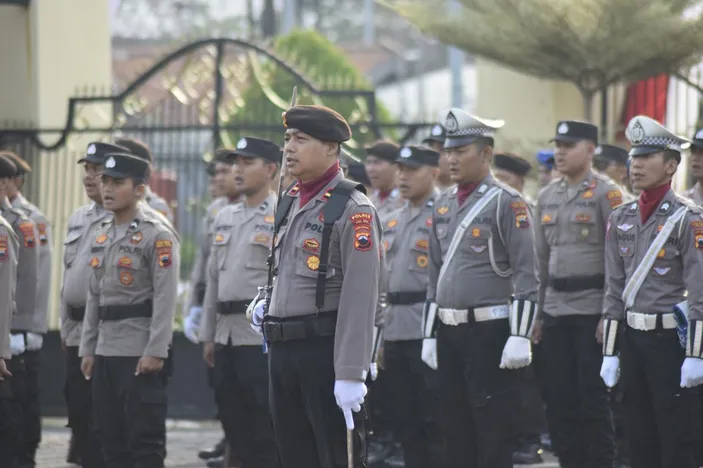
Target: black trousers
x: 533, y: 423
x: 415, y: 401
x: 662, y: 418
x: 7, y: 421
x: 581, y: 421
x: 79, y: 404
x: 129, y: 413
x: 480, y: 402
x: 25, y: 406
x: 241, y: 385
x: 308, y: 424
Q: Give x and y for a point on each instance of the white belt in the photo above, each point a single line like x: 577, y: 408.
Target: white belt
x: 648, y: 322
x: 481, y: 314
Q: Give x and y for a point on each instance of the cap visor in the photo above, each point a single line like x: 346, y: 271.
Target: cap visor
x: 566, y: 139
x: 92, y: 160
x: 697, y: 143
x: 645, y: 150
x: 408, y: 163
x: 433, y: 139
x: 461, y: 141
x: 114, y: 174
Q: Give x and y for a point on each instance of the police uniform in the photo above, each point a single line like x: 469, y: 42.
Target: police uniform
x: 570, y: 237
x: 8, y: 282
x: 518, y: 166
x: 241, y: 240
x: 129, y: 313
x: 652, y: 328
x: 480, y: 260
x: 319, y: 326
x: 384, y: 202
x: 695, y: 193
x: 414, y: 394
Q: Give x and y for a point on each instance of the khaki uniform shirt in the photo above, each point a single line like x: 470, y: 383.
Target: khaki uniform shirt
x: 391, y: 203
x: 82, y: 224
x: 27, y: 267
x: 9, y: 247
x: 695, y: 193
x: 158, y: 203
x: 236, y: 268
x: 678, y: 267
x: 132, y: 264
x: 198, y: 276
x: 570, y: 240
x: 406, y: 234
x: 352, y: 279
x: 41, y: 312
x: 470, y: 281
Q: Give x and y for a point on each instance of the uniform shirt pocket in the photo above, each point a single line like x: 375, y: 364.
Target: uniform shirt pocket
x: 259, y: 245
x: 307, y: 255
x: 419, y: 249
x: 220, y: 247
x: 583, y: 224
x: 70, y: 247
x: 667, y: 264
x: 130, y: 269
x: 549, y: 224
x: 477, y: 238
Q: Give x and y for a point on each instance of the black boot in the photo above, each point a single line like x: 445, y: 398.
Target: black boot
x: 527, y: 454
x: 213, y: 452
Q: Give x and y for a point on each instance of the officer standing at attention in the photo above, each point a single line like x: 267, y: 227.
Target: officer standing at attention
x: 319, y: 327
x: 545, y: 158
x: 8, y: 281
x: 436, y: 141
x: 141, y: 150
x: 481, y: 299
x: 414, y: 393
x: 23, y: 403
x: 237, y: 266
x: 128, y: 324
x: 652, y: 328
x: 381, y: 170
x: 572, y: 214
x: 512, y: 170
x: 695, y: 193
x: 76, y: 275
x: 611, y: 160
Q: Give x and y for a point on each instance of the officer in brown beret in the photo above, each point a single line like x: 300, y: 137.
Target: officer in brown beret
x: 380, y: 168
x: 319, y: 325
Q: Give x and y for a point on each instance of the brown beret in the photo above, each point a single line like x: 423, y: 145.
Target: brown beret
x: 319, y: 122
x: 511, y: 163
x: 383, y: 149
x: 136, y: 147
x: 22, y: 166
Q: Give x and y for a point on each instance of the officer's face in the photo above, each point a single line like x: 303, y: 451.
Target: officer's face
x: 251, y: 175
x: 573, y: 158
x: 467, y: 164
x: 381, y: 172
x: 651, y: 170
x: 214, y: 188
x: 544, y: 175
x: 509, y: 178
x: 443, y: 161
x: 307, y: 158
x: 91, y: 180
x: 697, y: 162
x: 120, y: 194
x: 224, y: 179
x: 617, y: 172
x: 415, y: 183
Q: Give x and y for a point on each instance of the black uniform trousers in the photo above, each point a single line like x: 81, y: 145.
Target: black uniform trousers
x: 415, y: 401
x: 581, y: 422
x: 662, y: 418
x: 79, y: 404
x: 7, y: 421
x: 129, y: 413
x: 533, y: 423
x: 308, y: 424
x: 480, y: 402
x: 241, y: 386
x: 25, y: 406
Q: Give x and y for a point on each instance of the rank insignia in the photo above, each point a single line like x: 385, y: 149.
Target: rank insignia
x: 521, y: 221
x: 136, y: 237
x: 95, y: 262
x: 321, y: 217
x: 660, y: 227
x: 163, y: 243
x: 361, y: 218
x: 546, y: 219
x: 633, y: 207
x: 478, y: 248
x: 262, y: 239
x: 362, y: 240
x: 422, y: 244
x: 587, y: 194
x: 428, y: 223
x: 125, y: 262
x: 313, y: 262
x: 311, y: 245
x: 269, y: 219
x: 392, y: 223
x: 3, y: 248
x: 475, y: 232
x: 697, y: 224
x: 421, y: 261
x: 582, y: 217
x: 665, y: 207
x: 126, y: 278
x: 443, y: 210
x: 294, y: 190
x: 101, y: 239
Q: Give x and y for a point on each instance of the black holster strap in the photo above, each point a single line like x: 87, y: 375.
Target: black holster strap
x: 577, y: 283
x: 406, y: 297
x: 233, y: 307
x: 300, y: 328
x: 122, y: 312
x: 76, y: 313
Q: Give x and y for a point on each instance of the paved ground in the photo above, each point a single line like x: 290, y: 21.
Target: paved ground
x: 185, y: 438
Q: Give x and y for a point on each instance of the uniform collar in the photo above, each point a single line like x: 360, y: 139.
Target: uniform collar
x: 19, y: 201
x: 480, y: 190
x: 322, y: 195
x: 589, y: 183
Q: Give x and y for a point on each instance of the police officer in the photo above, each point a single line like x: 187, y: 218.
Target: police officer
x: 435, y: 140
x: 357, y: 172
x: 319, y: 327
x: 23, y: 402
x: 414, y: 394
x: 545, y: 159
x: 141, y: 150
x: 480, y: 257
x: 128, y: 322
x: 237, y: 266
x: 611, y: 160
x: 652, y: 329
x: 572, y: 213
x: 76, y: 275
x: 695, y: 193
x: 512, y: 170
x: 380, y: 169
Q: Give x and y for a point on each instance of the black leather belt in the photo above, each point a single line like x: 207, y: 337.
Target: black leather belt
x: 303, y: 327
x: 406, y: 297
x: 577, y: 283
x: 233, y: 307
x: 76, y: 313
x: 122, y: 312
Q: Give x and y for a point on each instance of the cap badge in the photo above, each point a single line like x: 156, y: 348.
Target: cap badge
x: 699, y: 135
x: 436, y: 130
x: 599, y: 150
x: 451, y: 124
x: 110, y: 163
x: 406, y: 152
x: 637, y: 133
x: 242, y: 143
x: 91, y: 149
x: 563, y: 128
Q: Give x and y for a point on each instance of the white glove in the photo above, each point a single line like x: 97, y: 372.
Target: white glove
x: 350, y: 396
x: 610, y: 370
x: 34, y: 341
x: 517, y: 353
x: 17, y: 344
x: 429, y: 352
x: 257, y: 316
x: 191, y: 325
x: 373, y: 370
x: 691, y: 372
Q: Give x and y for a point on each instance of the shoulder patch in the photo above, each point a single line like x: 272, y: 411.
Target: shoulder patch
x: 4, y: 253
x: 41, y: 229
x: 615, y: 198
x: 27, y: 229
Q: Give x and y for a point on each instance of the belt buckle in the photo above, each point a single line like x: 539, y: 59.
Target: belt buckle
x: 450, y: 317
x: 640, y: 322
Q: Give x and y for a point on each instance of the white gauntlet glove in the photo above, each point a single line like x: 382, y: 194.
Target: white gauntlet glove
x: 350, y: 396
x: 17, y: 346
x: 610, y: 370
x: 34, y: 341
x: 429, y: 352
x: 191, y: 325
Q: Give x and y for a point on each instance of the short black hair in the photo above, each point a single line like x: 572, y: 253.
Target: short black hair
x: 483, y: 142
x: 671, y: 154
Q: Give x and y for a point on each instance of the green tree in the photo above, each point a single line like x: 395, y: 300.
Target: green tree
x: 590, y: 43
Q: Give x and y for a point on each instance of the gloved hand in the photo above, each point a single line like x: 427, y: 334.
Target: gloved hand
x: 34, y: 341
x: 257, y: 316
x: 191, y: 325
x: 350, y: 396
x: 691, y: 372
x: 373, y: 371
x: 610, y: 370
x: 17, y: 346
x: 517, y: 353
x: 429, y: 352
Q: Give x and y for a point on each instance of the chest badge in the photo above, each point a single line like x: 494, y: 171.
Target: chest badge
x: 392, y: 223
x: 95, y: 262
x: 311, y: 245
x: 624, y: 250
x: 662, y: 271
x: 421, y: 261
x: 126, y: 278
x: 478, y: 248
x: 585, y: 232
x: 313, y: 262
x: 443, y: 210
x: 582, y: 217
x: 475, y: 232
x: 546, y: 219
x: 125, y: 262
x: 661, y: 253
x: 422, y: 244
x: 587, y: 194
x: 269, y: 219
x: 219, y: 238
x: 101, y: 239
x: 625, y: 227
x: 136, y: 237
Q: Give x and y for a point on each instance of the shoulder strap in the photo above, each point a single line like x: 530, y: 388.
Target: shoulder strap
x: 331, y: 212
x: 491, y: 254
